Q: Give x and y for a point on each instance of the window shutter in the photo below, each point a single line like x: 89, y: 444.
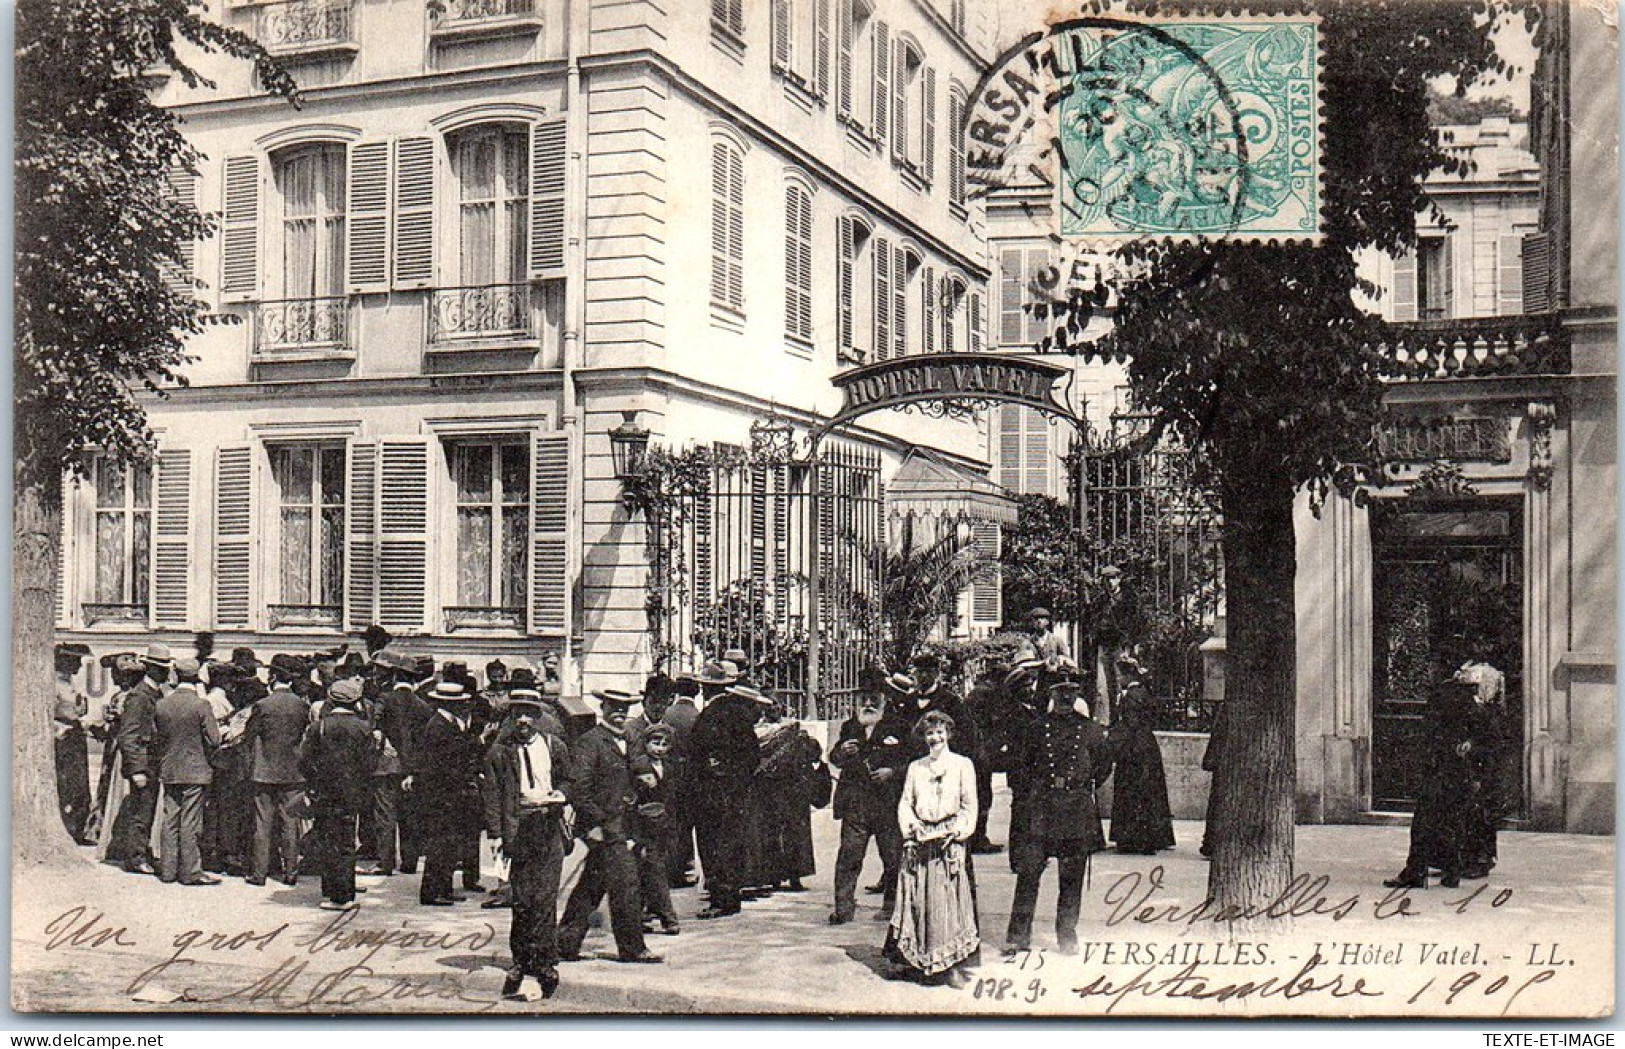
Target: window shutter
x: 975, y: 322
x: 367, y: 224
x: 881, y: 251
x: 986, y: 597
x: 361, y: 537
x: 805, y: 238
x: 233, y: 535
x: 1405, y: 287
x: 547, y: 165
x: 1036, y: 453
x: 549, y: 534
x: 882, y: 76
x: 1038, y: 325
x: 899, y: 100
x: 240, y: 231
x: 736, y: 230
x: 1537, y: 273
x: 928, y: 310
x: 1509, y: 277
x: 928, y: 127
x: 780, y: 17
x: 180, y: 186
x: 821, y: 48
x: 899, y: 314
x: 843, y: 68
x: 844, y: 267
x: 950, y: 305
x: 1011, y: 292
x: 956, y: 149
x: 1009, y: 446
x: 414, y: 212
x: 403, y: 533
x: 719, y: 222
x: 1447, y: 264
x: 172, y: 539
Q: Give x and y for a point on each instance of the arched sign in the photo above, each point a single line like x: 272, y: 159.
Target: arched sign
x: 964, y: 377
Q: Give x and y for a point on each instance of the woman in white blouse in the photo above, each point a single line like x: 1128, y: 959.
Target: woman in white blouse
x: 933, y: 929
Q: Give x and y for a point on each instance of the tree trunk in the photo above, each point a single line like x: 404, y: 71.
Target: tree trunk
x: 1257, y: 774
x: 37, y: 833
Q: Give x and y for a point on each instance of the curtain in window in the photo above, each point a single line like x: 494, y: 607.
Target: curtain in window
x: 493, y: 524
x: 493, y: 179
x: 291, y: 468
x: 471, y: 472
x: 310, y: 183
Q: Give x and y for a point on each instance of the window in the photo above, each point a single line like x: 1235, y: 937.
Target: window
x: 913, y: 130
x: 1434, y: 291
x: 856, y: 283
x: 729, y: 15
x: 123, y: 534
x: 727, y: 226
x: 856, y: 66
x: 953, y: 315
x: 956, y: 147
x: 798, y: 262
x: 956, y: 15
x: 492, y: 479
x: 310, y: 490
x: 801, y: 43
x: 491, y: 165
x: 1025, y: 281
x: 310, y: 186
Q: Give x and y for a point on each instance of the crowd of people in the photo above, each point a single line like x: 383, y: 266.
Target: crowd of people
x: 374, y: 761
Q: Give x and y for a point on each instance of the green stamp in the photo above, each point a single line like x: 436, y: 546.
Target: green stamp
x: 1189, y: 129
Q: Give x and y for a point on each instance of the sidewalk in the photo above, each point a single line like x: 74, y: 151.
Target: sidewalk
x: 237, y: 948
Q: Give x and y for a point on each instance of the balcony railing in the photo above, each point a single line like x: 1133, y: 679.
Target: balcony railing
x: 325, y: 616
x: 476, y: 617
x: 307, y: 26
x: 105, y: 612
x: 285, y: 326
x: 456, y: 18
x: 1476, y: 348
x: 480, y: 314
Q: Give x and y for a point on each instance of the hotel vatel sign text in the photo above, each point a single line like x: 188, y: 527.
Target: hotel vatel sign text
x: 966, y: 378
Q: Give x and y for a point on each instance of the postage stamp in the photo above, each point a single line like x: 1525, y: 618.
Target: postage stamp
x: 1189, y: 128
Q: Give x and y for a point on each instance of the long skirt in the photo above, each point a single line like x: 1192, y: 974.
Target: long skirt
x: 1141, y: 820
x: 933, y: 926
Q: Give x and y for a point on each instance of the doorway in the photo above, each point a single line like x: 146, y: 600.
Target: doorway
x: 1447, y: 586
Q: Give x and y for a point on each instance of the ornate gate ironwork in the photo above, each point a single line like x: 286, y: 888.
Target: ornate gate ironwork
x: 1138, y: 502
x: 779, y: 558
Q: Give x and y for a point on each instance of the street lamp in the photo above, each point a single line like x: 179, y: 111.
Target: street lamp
x: 628, y: 447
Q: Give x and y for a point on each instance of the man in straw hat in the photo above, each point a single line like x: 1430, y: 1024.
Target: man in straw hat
x: 723, y: 755
x: 446, y: 775
x: 132, y: 830
x: 605, y: 766
x: 526, y: 775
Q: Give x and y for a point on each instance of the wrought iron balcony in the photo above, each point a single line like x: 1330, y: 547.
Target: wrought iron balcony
x: 291, y: 327
x: 480, y: 314
x: 476, y: 617
x: 468, y: 18
x: 307, y: 27
x: 1534, y: 344
x: 324, y: 616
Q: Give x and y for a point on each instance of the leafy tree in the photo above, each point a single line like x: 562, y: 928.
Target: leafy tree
x: 1259, y: 357
x: 97, y: 233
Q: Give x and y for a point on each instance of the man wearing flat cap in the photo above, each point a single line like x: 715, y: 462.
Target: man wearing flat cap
x: 447, y: 770
x: 186, y: 735
x: 336, y: 758
x: 276, y: 724
x: 603, y: 794
x: 132, y: 830
x: 1059, y: 757
x: 724, y: 753
x: 527, y: 776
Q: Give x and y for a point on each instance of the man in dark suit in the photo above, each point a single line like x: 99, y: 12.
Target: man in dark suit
x: 336, y: 758
x: 872, y: 754
x: 1060, y: 757
x: 446, y: 770
x: 397, y: 714
x: 604, y: 799
x: 724, y: 754
x: 680, y: 718
x: 271, y: 740
x: 527, y: 774
x: 186, y: 735
x: 131, y: 844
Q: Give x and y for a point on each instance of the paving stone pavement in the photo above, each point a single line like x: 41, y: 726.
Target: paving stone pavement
x: 95, y: 939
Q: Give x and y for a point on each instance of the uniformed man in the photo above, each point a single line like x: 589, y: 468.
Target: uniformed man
x: 1060, y: 757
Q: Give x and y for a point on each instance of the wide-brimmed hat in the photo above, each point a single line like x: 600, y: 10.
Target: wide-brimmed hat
x: 448, y: 692
x: 736, y: 656
x: 752, y: 694
x: 346, y: 693
x: 158, y: 656
x: 900, y: 682
x: 245, y: 659
x: 394, y: 661
x: 719, y: 672
x: 615, y: 695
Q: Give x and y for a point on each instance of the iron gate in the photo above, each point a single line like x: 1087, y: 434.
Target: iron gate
x: 1140, y: 505
x: 780, y: 559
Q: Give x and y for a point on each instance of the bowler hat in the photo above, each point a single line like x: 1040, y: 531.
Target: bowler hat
x: 423, y: 666
x: 521, y: 678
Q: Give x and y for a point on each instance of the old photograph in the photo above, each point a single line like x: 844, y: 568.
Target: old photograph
x: 936, y: 508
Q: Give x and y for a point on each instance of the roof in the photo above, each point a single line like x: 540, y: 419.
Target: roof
x: 928, y: 484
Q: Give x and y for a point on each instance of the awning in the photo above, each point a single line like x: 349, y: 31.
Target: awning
x: 927, y: 485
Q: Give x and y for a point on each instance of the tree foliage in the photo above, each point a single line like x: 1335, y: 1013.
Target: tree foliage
x: 96, y: 222
x: 920, y: 587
